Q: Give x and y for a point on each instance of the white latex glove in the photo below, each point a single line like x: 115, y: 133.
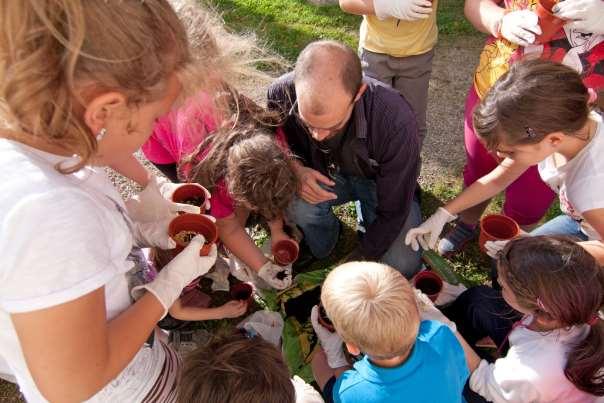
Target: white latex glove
x: 427, y: 234
x: 520, y: 27
x: 269, y: 273
x: 154, y: 202
x: 408, y: 10
x: 494, y: 247
x: 184, y: 268
x: 427, y: 310
x: 331, y: 342
x: 149, y: 234
x: 449, y: 293
x: 585, y: 15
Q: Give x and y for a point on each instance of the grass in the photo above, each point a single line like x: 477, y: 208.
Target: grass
x: 286, y: 26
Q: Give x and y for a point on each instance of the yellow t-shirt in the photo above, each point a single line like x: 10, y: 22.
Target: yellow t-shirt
x: 399, y: 38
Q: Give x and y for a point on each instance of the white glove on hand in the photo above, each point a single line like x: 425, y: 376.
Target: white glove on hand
x: 154, y: 202
x: 151, y: 234
x: 494, y: 247
x: 407, y: 10
x: 427, y: 234
x: 427, y: 310
x: 270, y: 271
x: 520, y: 27
x: 585, y: 15
x: 331, y: 342
x: 181, y: 270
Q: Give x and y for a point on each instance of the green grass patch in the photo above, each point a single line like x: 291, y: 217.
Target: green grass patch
x: 287, y: 26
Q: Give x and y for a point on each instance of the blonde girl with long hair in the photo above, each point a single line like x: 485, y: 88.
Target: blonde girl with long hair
x: 81, y: 84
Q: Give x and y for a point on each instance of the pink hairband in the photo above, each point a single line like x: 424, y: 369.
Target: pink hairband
x: 594, y: 319
x: 593, y: 96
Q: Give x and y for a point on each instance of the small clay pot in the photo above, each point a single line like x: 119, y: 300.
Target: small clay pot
x: 191, y: 194
x: 196, y: 298
x: 497, y: 227
x: 195, y: 223
x: 429, y: 283
x: 285, y: 252
x: 324, y: 319
x: 242, y: 292
x: 548, y: 22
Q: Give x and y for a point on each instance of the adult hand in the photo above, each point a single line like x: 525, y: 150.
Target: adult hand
x: 520, y: 27
x: 584, y: 15
x: 494, y: 247
x: 279, y: 277
x: 154, y: 202
x: 427, y: 234
x: 408, y: 10
x: 155, y: 233
x: 331, y: 342
x: 181, y: 270
x: 310, y: 189
x: 427, y: 310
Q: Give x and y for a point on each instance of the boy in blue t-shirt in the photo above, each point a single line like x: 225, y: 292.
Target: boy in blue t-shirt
x: 375, y: 312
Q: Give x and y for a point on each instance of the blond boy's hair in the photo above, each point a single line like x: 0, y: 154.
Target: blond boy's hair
x: 373, y: 307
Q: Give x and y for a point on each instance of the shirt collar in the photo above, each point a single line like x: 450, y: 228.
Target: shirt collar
x: 376, y: 374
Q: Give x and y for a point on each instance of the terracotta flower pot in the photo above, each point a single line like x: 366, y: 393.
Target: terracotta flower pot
x: 429, y: 283
x: 242, y: 292
x: 324, y: 320
x: 190, y: 194
x: 497, y: 227
x: 285, y: 252
x: 196, y: 298
x: 548, y: 22
x: 196, y: 223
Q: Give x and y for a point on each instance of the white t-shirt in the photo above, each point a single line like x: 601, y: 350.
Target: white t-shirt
x: 62, y: 237
x: 305, y: 393
x: 580, y: 182
x: 533, y: 369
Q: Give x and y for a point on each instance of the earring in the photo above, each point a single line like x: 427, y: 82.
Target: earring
x: 101, y: 134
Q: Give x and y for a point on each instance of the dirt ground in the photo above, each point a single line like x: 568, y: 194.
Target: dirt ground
x: 443, y: 153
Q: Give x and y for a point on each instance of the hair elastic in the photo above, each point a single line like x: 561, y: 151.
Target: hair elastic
x: 540, y: 305
x: 530, y: 132
x: 594, y: 319
x: 593, y: 96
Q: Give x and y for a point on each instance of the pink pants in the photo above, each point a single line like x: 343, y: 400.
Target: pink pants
x: 528, y: 198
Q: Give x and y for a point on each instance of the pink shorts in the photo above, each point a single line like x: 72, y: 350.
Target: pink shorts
x: 528, y: 198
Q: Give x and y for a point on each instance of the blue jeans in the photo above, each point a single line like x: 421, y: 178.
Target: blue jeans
x: 322, y: 230
x: 561, y: 225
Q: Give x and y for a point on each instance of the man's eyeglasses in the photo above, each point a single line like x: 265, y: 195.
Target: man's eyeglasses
x: 312, y: 129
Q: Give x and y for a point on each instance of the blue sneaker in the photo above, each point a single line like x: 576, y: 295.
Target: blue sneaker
x: 457, y: 238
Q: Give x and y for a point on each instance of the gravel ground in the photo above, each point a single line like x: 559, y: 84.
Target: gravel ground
x: 443, y: 153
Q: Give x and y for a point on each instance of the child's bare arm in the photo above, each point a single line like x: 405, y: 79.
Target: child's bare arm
x: 233, y: 234
x: 358, y: 7
x: 487, y: 186
x: 132, y: 168
x: 231, y: 309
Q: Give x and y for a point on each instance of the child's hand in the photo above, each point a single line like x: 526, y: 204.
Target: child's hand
x: 232, y: 309
x: 427, y: 234
x: 331, y: 342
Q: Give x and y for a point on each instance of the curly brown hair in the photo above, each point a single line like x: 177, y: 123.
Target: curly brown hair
x: 256, y: 170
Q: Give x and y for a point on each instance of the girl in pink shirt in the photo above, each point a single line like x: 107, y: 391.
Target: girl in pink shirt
x: 244, y: 162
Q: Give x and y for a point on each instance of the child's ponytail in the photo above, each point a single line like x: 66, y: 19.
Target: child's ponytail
x: 556, y: 279
x: 586, y: 360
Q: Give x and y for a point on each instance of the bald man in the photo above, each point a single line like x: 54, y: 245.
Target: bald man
x: 354, y: 140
